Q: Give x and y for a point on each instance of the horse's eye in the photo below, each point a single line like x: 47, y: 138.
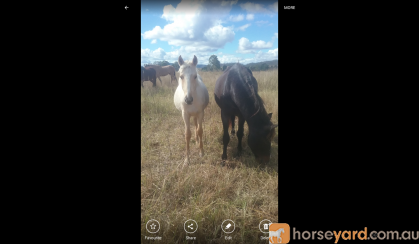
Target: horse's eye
x: 196, y: 76
x: 181, y: 77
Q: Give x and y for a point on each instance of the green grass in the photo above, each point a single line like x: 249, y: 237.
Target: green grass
x: 207, y: 190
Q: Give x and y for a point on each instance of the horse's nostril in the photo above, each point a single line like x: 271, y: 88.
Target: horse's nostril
x: 188, y: 101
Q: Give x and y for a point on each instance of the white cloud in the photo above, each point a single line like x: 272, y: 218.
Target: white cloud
x: 237, y: 18
x: 195, y: 25
x: 228, y: 58
x: 250, y: 16
x: 276, y: 35
x: 245, y: 46
x: 270, y: 55
x: 149, y: 56
x: 224, y: 3
x: 242, y: 28
x: 153, y: 41
x: 255, y: 8
x: 261, y: 22
x: 274, y: 7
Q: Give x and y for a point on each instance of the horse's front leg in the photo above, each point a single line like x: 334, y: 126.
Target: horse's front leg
x: 160, y: 80
x: 200, y: 131
x: 186, y: 117
x: 195, y: 118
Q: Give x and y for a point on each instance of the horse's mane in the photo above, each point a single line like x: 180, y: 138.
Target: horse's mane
x: 250, y: 86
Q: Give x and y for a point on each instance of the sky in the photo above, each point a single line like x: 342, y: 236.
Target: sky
x: 244, y: 31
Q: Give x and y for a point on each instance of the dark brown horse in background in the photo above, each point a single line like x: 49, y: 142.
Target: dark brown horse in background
x: 148, y: 74
x: 236, y: 93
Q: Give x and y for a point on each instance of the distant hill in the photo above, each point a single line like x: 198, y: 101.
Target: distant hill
x: 253, y: 66
x: 270, y: 63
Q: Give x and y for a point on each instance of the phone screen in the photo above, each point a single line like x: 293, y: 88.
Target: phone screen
x: 209, y: 121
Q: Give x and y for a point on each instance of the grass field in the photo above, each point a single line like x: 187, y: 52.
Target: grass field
x: 207, y: 190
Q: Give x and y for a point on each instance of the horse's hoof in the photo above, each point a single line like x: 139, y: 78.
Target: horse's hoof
x: 224, y: 157
x: 201, y: 154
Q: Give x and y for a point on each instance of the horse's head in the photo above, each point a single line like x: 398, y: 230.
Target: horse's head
x: 259, y: 141
x: 188, y: 77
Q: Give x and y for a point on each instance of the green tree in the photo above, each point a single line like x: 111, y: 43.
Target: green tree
x: 264, y: 66
x: 255, y: 67
x: 214, y: 64
x: 164, y: 63
x: 176, y: 65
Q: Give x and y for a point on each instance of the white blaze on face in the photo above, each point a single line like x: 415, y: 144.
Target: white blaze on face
x: 188, y: 74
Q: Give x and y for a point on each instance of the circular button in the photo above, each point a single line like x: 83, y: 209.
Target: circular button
x: 152, y: 226
x: 228, y: 226
x: 264, y: 226
x: 190, y: 226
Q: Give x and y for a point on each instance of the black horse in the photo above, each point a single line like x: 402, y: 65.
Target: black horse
x: 236, y: 93
x: 148, y: 74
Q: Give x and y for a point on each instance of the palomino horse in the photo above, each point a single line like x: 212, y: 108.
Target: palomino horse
x: 191, y: 97
x: 236, y: 93
x: 148, y: 74
x: 163, y: 71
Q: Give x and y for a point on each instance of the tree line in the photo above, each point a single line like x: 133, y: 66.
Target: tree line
x: 214, y: 65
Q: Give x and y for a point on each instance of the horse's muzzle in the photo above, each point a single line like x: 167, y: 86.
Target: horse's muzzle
x: 188, y: 101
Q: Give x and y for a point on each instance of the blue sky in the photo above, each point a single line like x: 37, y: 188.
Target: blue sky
x: 232, y: 30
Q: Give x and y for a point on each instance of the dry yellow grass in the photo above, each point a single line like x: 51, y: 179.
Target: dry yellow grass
x: 206, y: 190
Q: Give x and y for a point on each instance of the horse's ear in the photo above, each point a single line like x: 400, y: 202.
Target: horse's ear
x: 180, y: 60
x: 270, y: 115
x: 195, y: 60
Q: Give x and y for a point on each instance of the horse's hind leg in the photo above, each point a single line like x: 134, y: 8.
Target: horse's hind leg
x: 233, y: 117
x: 225, y: 117
x: 240, y: 132
x: 160, y: 80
